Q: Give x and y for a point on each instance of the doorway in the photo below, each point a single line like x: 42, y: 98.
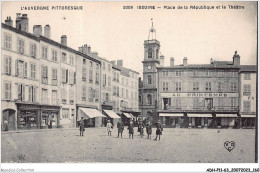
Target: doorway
x: 9, y: 116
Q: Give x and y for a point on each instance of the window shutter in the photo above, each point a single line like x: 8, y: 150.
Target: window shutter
x: 10, y: 65
x: 30, y: 93
x: 67, y: 71
x: 16, y: 68
x: 6, y: 90
x: 46, y: 68
x: 25, y: 69
x: 10, y: 89
x: 23, y: 92
x: 6, y: 65
x: 74, y: 77
x: 19, y: 92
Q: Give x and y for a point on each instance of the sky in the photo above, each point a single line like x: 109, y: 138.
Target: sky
x: 117, y: 33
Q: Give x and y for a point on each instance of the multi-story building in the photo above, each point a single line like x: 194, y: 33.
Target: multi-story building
x: 25, y: 103
x: 247, y: 110
x: 48, y: 84
x: 125, y: 90
x: 196, y: 95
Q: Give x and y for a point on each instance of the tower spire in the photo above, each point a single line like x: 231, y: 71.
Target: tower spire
x: 152, y: 32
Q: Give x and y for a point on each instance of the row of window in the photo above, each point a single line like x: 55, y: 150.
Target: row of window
x: 196, y: 86
x: 93, y: 94
x: 21, y: 68
x: 66, y: 113
x: 84, y: 75
x: 33, y: 50
x: 124, y: 93
x: 219, y: 73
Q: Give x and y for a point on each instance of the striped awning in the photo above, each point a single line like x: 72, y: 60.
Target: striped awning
x: 87, y: 113
x: 227, y: 115
x: 128, y: 115
x: 248, y: 116
x: 111, y: 114
x: 170, y: 115
x: 199, y: 115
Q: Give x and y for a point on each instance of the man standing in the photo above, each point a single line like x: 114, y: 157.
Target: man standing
x: 131, y: 129
x: 120, y: 127
x: 81, y: 127
x: 159, y: 130
x: 149, y: 130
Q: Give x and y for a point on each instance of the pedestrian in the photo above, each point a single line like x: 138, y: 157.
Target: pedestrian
x: 5, y: 126
x: 141, y: 128
x: 120, y: 127
x: 131, y: 129
x: 81, y: 127
x: 149, y: 130
x: 159, y: 130
x: 109, y: 128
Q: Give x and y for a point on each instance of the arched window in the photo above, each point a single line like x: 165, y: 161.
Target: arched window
x: 149, y: 99
x: 149, y: 78
x: 150, y: 53
x: 157, y: 53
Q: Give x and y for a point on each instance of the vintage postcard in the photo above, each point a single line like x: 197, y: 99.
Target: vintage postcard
x: 129, y: 82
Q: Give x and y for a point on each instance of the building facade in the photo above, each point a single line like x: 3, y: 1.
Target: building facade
x: 195, y: 95
x: 46, y: 84
x: 247, y: 111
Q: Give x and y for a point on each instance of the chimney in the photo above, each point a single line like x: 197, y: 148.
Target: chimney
x: 18, y: 21
x: 236, y: 59
x: 47, y: 31
x: 24, y: 23
x: 95, y: 54
x: 113, y: 62
x: 89, y: 50
x: 64, y: 40
x: 120, y: 62
x: 172, y: 62
x: 81, y: 49
x: 37, y: 30
x: 185, y: 61
x: 9, y: 21
x: 162, y: 60
x: 211, y: 60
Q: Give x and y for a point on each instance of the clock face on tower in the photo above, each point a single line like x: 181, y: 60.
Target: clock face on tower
x: 149, y: 67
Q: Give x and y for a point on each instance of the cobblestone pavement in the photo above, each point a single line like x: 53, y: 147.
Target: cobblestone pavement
x: 176, y: 146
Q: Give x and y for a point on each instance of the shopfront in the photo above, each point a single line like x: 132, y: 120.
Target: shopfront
x: 171, y: 119
x: 127, y: 117
x: 226, y: 120
x: 91, y: 116
x: 32, y: 116
x: 112, y: 116
x: 248, y: 121
x: 199, y: 120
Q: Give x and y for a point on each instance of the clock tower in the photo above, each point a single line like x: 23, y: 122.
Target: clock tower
x: 148, y: 93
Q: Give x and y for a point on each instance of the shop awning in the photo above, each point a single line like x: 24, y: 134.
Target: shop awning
x: 199, y: 115
x: 227, y: 115
x: 87, y: 113
x: 170, y: 115
x: 128, y: 115
x: 248, y: 116
x: 111, y: 114
x: 97, y: 113
x: 131, y: 115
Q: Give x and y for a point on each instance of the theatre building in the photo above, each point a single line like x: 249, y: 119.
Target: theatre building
x: 203, y: 95
x: 247, y: 110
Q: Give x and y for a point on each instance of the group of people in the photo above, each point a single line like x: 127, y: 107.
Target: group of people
x: 120, y: 129
x: 141, y: 125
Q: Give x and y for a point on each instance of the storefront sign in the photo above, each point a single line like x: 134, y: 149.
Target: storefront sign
x: 211, y: 95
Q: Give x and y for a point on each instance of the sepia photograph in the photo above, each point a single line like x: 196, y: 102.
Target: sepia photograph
x: 129, y: 82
